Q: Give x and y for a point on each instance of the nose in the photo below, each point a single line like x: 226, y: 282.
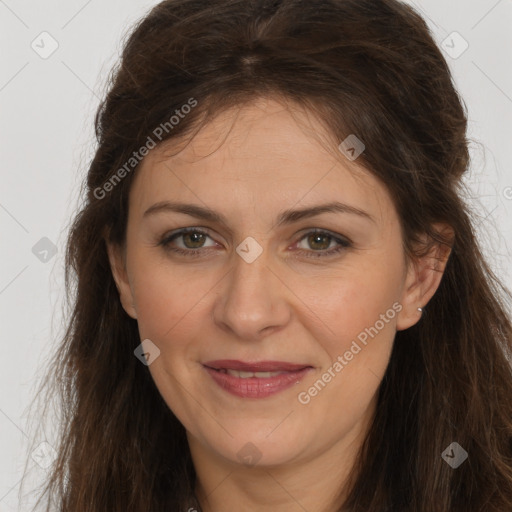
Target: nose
x: 252, y: 300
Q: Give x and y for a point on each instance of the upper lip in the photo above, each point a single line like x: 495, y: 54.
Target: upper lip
x: 255, y: 366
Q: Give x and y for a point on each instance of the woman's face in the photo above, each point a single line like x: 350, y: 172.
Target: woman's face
x: 256, y: 290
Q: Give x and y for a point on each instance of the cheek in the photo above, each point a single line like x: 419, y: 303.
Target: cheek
x: 356, y: 300
x: 345, y: 301
x: 357, y: 333
x: 158, y: 307
x: 358, y: 310
x: 167, y: 296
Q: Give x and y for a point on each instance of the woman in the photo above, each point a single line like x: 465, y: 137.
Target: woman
x: 280, y: 300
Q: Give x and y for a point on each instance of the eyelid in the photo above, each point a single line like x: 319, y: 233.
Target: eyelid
x: 342, y: 241
x: 303, y: 232
x: 168, y: 237
x: 335, y: 236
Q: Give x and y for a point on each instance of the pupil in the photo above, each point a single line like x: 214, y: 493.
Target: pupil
x: 315, y: 238
x: 196, y: 237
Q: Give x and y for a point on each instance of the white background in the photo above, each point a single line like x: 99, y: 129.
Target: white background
x: 46, y: 129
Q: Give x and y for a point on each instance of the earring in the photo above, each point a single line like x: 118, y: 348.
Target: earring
x: 420, y: 310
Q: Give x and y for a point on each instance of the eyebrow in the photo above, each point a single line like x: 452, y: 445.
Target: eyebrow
x: 285, y: 217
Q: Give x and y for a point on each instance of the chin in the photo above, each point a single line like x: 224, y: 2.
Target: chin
x: 259, y: 443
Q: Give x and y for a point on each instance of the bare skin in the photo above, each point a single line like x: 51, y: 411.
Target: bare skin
x: 286, y: 305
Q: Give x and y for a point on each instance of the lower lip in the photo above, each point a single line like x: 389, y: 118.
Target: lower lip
x: 254, y: 387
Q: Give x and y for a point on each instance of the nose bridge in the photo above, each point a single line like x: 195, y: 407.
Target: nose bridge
x: 252, y: 299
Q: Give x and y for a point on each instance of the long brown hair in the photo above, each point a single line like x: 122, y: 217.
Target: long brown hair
x: 363, y: 67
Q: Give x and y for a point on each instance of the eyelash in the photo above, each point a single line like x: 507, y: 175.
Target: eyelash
x: 192, y: 253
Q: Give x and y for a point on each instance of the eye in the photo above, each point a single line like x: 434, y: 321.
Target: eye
x: 192, y: 240
x: 320, y: 241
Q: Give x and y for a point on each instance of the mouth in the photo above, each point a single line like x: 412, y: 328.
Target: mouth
x: 255, y: 379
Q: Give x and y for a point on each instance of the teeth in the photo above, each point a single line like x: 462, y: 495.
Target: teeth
x: 246, y: 375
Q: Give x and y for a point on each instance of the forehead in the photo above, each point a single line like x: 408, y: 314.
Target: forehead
x: 263, y: 152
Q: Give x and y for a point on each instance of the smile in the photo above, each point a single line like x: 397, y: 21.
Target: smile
x: 257, y: 379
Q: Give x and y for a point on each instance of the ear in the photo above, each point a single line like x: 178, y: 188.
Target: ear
x: 424, y: 275
x: 117, y: 259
